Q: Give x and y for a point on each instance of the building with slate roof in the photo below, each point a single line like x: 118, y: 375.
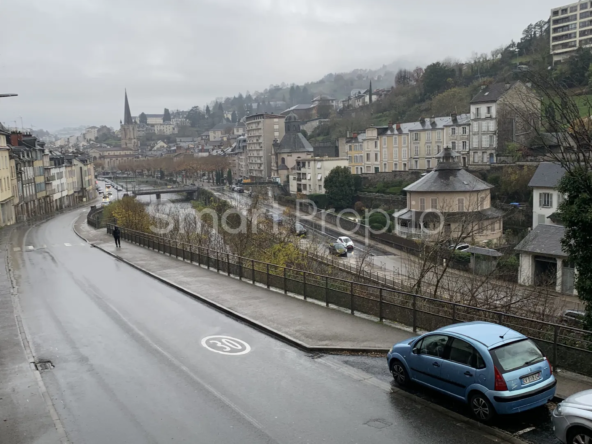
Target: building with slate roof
x: 546, y: 198
x: 450, y: 202
x: 543, y: 261
x: 502, y: 113
x: 291, y: 148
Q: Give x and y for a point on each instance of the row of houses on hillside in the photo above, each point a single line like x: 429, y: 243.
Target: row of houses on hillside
x: 36, y: 181
x: 499, y: 114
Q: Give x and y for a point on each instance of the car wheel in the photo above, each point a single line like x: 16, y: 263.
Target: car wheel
x: 481, y: 408
x: 579, y: 435
x: 399, y: 373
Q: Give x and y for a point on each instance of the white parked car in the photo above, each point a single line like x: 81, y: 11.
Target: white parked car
x: 346, y: 241
x: 460, y: 247
x: 572, y: 419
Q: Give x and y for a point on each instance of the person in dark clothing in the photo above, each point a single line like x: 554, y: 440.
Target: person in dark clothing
x: 117, y: 236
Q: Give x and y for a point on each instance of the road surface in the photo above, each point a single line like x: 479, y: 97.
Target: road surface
x: 130, y: 367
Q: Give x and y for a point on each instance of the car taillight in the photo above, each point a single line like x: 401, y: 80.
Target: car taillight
x: 500, y: 383
x: 550, y: 366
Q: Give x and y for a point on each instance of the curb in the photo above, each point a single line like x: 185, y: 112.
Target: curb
x: 239, y: 317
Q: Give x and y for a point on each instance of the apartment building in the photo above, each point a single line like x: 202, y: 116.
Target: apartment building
x: 6, y: 190
x: 308, y: 175
x: 457, y: 136
x: 354, y: 148
x: 502, y: 113
x: 571, y: 27
x: 261, y: 131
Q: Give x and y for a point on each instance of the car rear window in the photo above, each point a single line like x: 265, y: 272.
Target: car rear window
x: 516, y: 355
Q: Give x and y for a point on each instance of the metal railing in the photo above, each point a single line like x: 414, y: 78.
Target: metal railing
x: 567, y: 347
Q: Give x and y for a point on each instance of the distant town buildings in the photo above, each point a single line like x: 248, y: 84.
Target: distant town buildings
x: 571, y: 27
x: 261, y: 131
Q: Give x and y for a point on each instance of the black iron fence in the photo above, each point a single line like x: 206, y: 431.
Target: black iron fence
x: 567, y: 347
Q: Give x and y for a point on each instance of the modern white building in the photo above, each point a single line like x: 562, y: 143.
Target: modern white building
x: 309, y: 175
x: 166, y: 128
x: 571, y: 27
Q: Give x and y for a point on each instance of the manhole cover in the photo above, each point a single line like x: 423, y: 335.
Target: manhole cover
x: 379, y: 423
x: 44, y: 365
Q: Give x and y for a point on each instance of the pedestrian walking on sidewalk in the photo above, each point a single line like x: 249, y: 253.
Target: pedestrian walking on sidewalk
x: 117, y: 236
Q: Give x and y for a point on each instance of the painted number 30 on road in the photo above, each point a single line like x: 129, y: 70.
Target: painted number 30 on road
x: 226, y: 345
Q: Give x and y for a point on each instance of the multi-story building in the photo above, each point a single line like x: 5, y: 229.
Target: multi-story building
x: 239, y: 163
x: 458, y: 136
x: 56, y: 184
x: 290, y: 149
x: 308, y: 176
x: 91, y: 133
x: 571, y: 27
x: 354, y: 148
x: 165, y: 128
x: 502, y: 113
x: 7, y: 216
x: 262, y: 130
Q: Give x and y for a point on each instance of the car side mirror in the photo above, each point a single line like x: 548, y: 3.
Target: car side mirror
x: 415, y: 351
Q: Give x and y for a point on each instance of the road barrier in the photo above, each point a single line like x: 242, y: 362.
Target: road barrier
x: 567, y: 347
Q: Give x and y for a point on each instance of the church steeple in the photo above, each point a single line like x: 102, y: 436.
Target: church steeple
x: 127, y: 114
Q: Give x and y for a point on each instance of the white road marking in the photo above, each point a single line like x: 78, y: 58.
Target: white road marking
x: 226, y: 345
x: 526, y: 430
x: 17, y: 249
x: 67, y: 244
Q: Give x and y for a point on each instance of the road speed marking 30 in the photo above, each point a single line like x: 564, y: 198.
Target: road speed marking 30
x: 226, y: 345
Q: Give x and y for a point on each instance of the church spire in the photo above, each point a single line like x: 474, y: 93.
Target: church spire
x: 127, y: 114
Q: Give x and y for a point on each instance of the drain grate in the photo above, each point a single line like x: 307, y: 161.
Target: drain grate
x: 43, y: 365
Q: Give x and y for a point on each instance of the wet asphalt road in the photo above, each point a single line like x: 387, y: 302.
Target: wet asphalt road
x: 130, y: 367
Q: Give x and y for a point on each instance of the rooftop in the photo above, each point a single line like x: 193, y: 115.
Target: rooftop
x: 544, y: 240
x: 486, y: 333
x: 492, y: 93
x: 547, y: 175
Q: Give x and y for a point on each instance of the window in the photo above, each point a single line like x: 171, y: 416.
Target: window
x: 461, y: 204
x: 463, y: 353
x: 349, y: 148
x: 404, y: 140
x: 464, y: 145
x: 368, y: 169
x: 319, y: 164
x: 477, y: 112
x: 453, y: 146
x: 404, y: 167
x: 416, y: 137
x: 404, y: 154
x: 376, y: 144
x: 396, y: 154
x: 384, y: 154
x: 484, y: 157
x: 434, y: 203
x: 582, y: 6
x: 464, y: 130
x: 428, y: 163
x: 428, y: 150
x: 453, y: 131
x: 485, y: 142
x: 395, y: 140
x: 416, y: 151
x: 433, y: 345
x: 489, y: 110
x: 492, y: 227
x: 516, y: 355
x: 438, y: 147
x: 396, y: 167
x: 475, y: 141
x: 276, y: 127
x: 417, y: 164
x: 492, y: 141
x: 546, y: 200
x: 438, y: 136
x: 384, y: 142
x: 429, y: 136
x: 319, y: 177
x: 422, y: 206
x: 376, y: 157
x: 384, y: 167
x: 320, y: 187
x: 367, y: 157
x: 475, y: 127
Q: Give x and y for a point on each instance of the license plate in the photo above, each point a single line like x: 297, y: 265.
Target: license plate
x: 531, y: 378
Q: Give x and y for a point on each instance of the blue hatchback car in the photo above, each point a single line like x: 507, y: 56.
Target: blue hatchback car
x: 494, y: 369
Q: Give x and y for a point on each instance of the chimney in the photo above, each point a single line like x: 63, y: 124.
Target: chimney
x: 390, y: 126
x: 507, y: 86
x: 422, y: 120
x: 355, y: 135
x: 454, y: 118
x: 15, y: 138
x: 398, y: 127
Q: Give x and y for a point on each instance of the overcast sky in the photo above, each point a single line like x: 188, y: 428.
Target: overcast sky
x: 70, y: 60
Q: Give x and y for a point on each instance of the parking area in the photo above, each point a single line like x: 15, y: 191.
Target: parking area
x: 533, y: 426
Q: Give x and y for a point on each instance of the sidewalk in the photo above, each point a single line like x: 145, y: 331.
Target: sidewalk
x: 304, y: 324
